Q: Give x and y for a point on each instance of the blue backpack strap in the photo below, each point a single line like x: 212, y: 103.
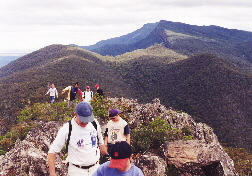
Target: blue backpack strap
x: 69, y: 134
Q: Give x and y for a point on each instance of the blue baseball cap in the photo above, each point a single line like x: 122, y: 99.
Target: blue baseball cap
x: 114, y: 112
x: 84, y: 111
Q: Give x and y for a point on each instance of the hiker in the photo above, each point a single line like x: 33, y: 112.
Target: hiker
x: 119, y: 164
x: 53, y: 93
x: 83, y: 149
x: 98, y: 90
x: 87, y: 95
x: 117, y: 129
x: 71, y: 93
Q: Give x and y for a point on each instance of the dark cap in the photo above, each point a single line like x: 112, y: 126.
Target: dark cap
x: 84, y: 111
x: 120, y: 153
x: 114, y: 112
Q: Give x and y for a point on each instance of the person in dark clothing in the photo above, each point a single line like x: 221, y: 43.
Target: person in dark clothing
x: 98, y: 90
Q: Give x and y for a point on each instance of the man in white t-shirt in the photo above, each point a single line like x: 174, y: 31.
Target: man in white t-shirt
x: 85, y: 144
x: 87, y: 95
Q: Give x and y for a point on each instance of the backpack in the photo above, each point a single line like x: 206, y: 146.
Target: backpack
x: 84, y: 94
x: 70, y: 131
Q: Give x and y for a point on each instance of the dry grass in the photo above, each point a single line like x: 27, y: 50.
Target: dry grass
x: 153, y: 51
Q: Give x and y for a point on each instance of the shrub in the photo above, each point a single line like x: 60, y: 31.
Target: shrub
x: 5, y: 144
x: 100, y: 106
x: 27, y: 119
x: 45, y: 112
x: 242, y: 160
x: 153, y: 135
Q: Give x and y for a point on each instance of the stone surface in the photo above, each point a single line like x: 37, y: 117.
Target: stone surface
x: 151, y: 164
x: 199, y: 156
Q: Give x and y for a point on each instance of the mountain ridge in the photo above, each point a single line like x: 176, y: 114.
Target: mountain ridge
x: 125, y: 39
x: 180, y: 72
x: 231, y: 44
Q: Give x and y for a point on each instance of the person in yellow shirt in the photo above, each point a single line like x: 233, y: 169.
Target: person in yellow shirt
x: 71, y: 93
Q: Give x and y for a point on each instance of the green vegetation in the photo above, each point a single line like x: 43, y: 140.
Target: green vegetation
x: 242, y: 160
x: 152, y: 136
x: 28, y: 118
x: 100, y: 107
x: 204, y: 86
x: 45, y: 112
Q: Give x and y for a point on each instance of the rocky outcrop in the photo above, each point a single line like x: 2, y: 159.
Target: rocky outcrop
x: 203, y: 155
x: 199, y: 157
x: 151, y: 164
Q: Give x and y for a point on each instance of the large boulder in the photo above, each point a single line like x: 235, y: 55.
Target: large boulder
x: 199, y: 157
x: 29, y: 157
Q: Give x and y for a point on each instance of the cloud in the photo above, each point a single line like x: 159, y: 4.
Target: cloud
x: 33, y: 24
x: 198, y: 3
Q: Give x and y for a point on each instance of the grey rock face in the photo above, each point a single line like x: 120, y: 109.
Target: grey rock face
x: 198, y: 156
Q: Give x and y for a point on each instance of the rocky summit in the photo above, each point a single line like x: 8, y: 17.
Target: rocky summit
x: 203, y: 155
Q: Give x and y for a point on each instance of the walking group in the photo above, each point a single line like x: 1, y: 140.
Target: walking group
x: 85, y: 143
x: 72, y: 91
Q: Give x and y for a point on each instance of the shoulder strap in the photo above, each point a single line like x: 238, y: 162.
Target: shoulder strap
x: 69, y: 134
x: 95, y: 126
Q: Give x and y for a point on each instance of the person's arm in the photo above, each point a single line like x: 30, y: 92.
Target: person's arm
x: 106, y: 141
x: 103, y: 149
x: 128, y: 138
x: 81, y: 94
x: 56, y: 147
x: 51, y: 163
x: 47, y: 92
x: 56, y: 93
x: 127, y: 133
x: 66, y: 89
x: 106, y: 137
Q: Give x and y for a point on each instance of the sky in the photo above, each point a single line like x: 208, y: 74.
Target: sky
x: 28, y: 25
